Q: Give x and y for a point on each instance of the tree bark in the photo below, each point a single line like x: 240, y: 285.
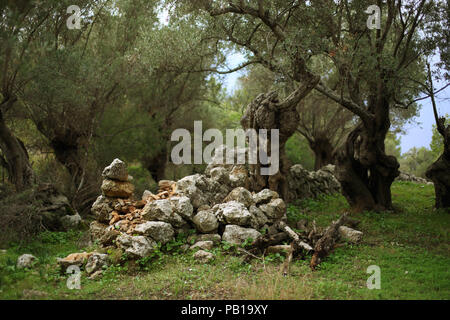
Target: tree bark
x: 17, y: 161
x: 156, y: 165
x: 439, y: 171
x: 363, y: 168
x: 267, y: 112
x: 323, y: 152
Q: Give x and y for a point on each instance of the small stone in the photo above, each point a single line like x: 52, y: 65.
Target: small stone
x: 205, y: 221
x: 137, y: 246
x: 274, y: 210
x: 157, y: 230
x: 96, y: 262
x: 241, y: 195
x: 117, y: 170
x: 205, y: 245
x: 233, y: 212
x: 25, y: 261
x: 117, y: 189
x: 203, y: 256
x: 182, y: 205
x: 96, y: 275
x: 265, y: 196
x: 214, y: 237
x: 162, y: 210
x: 237, y: 234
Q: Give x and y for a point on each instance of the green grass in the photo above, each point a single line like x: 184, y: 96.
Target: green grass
x: 409, y: 244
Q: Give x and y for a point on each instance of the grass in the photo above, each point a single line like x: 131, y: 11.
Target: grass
x: 409, y: 244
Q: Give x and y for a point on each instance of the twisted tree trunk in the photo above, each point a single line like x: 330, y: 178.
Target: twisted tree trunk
x: 439, y: 171
x: 16, y: 160
x: 267, y: 112
x: 363, y: 168
x: 323, y: 152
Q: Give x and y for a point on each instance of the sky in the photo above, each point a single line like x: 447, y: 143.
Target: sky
x: 416, y: 135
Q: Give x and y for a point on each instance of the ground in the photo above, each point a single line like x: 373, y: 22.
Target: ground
x: 410, y: 245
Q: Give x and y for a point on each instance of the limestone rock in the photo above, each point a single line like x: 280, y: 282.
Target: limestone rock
x: 97, y: 229
x: 258, y: 218
x: 117, y: 189
x: 241, y: 195
x: 205, y: 221
x: 233, y: 212
x: 70, y: 221
x: 96, y: 262
x: 137, y: 246
x: 349, y: 234
x: 205, y: 245
x: 117, y: 170
x: 265, y: 196
x: 25, y: 261
x: 274, y: 210
x: 203, y: 256
x: 77, y: 259
x: 214, y: 237
x: 157, y: 230
x: 182, y: 205
x: 102, y: 209
x: 109, y: 237
x: 237, y: 234
x: 162, y: 210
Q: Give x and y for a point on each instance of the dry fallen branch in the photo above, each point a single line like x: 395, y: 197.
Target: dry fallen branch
x: 327, y: 242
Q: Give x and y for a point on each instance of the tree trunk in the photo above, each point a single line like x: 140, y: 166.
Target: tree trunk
x: 157, y: 165
x: 267, y: 112
x: 363, y: 168
x: 16, y: 158
x: 323, y: 152
x: 67, y: 153
x: 439, y: 173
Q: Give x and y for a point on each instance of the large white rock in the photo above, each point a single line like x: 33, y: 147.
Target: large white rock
x: 264, y: 196
x: 25, y: 261
x: 274, y: 210
x: 102, y: 209
x: 137, y: 246
x: 205, y: 221
x: 233, y: 212
x: 117, y: 170
x: 157, y: 230
x: 162, y: 210
x: 349, y: 234
x: 241, y: 195
x: 237, y: 234
x: 258, y: 218
x: 182, y: 205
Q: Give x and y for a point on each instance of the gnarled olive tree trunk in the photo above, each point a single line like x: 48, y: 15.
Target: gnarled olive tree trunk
x: 323, y: 152
x: 439, y: 171
x: 267, y: 112
x: 363, y: 168
x: 15, y: 160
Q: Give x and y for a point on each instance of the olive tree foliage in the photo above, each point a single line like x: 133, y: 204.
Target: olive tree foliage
x: 163, y: 95
x: 21, y: 23
x: 374, y: 67
x: 72, y: 83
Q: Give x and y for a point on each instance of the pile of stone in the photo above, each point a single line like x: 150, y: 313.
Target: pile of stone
x: 304, y: 184
x: 216, y: 205
x: 404, y: 176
